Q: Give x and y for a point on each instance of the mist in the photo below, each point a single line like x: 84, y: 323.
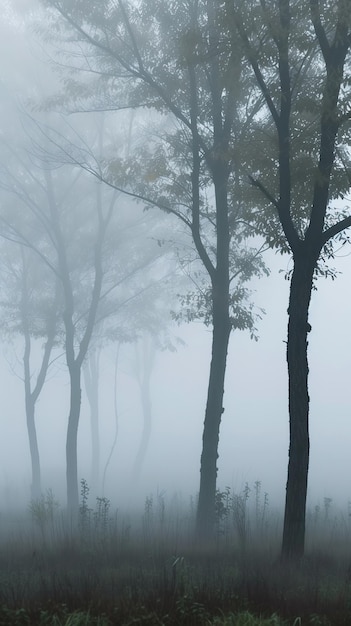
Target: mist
x: 255, y: 421
x: 174, y: 301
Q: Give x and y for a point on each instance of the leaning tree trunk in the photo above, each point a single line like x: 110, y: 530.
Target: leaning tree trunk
x: 147, y: 359
x: 30, y: 417
x: 33, y: 447
x: 296, y: 488
x: 147, y: 424
x: 91, y: 378
x: 71, y: 441
x: 213, y: 416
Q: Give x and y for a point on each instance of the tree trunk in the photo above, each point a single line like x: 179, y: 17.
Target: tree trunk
x: 91, y: 377
x: 296, y: 488
x: 34, y: 450
x: 145, y: 359
x: 147, y: 421
x: 71, y: 441
x: 115, y: 397
x: 213, y: 416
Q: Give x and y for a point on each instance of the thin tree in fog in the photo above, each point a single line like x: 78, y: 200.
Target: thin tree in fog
x: 72, y: 233
x: 78, y: 332
x: 155, y: 336
x: 300, y: 57
x: 31, y: 301
x: 93, y: 249
x: 145, y: 353
x: 175, y: 59
x: 91, y: 374
x: 30, y: 308
x: 50, y: 312
x: 122, y: 329
x: 145, y: 327
x: 116, y: 417
x: 141, y: 274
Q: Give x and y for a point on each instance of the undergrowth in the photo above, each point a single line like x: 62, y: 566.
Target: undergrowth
x: 108, y: 567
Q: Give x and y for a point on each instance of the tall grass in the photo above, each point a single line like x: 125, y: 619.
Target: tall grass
x: 148, y: 567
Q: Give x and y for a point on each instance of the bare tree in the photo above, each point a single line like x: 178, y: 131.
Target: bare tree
x: 30, y: 309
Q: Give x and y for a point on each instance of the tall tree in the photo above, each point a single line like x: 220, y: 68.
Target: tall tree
x: 175, y: 59
x: 32, y: 390
x: 129, y: 307
x: 78, y: 332
x: 300, y: 57
x: 61, y: 207
x: 67, y: 233
x: 91, y: 373
x: 30, y: 309
x: 145, y: 352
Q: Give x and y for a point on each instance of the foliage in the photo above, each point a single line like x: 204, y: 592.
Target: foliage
x: 43, y: 510
x: 260, y: 31
x: 19, y: 272
x: 125, y: 70
x: 93, y: 523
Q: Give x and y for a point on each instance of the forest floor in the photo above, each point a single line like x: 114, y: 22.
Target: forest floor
x: 124, y: 569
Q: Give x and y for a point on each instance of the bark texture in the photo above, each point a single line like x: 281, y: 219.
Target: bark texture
x: 213, y: 416
x: 296, y: 488
x: 72, y: 440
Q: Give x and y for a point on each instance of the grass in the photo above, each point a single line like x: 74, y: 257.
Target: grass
x: 147, y: 569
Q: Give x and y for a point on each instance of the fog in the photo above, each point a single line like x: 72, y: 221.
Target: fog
x: 175, y: 352
x: 254, y: 430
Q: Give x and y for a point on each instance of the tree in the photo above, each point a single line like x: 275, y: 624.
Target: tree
x: 29, y: 295
x: 30, y: 308
x: 91, y: 373
x: 145, y: 352
x: 66, y: 219
x: 67, y: 232
x: 32, y: 391
x: 300, y: 56
x: 153, y: 337
x: 131, y: 306
x: 174, y: 59
x: 78, y: 332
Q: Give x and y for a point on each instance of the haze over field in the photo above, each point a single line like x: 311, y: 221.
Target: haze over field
x: 254, y: 432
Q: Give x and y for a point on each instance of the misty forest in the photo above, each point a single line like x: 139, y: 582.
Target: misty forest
x: 175, y: 213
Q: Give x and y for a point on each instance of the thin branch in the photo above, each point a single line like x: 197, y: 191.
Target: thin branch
x: 335, y: 230
x: 23, y: 241
x: 319, y: 29
x: 252, y: 58
x: 263, y: 248
x: 132, y: 37
x: 256, y: 183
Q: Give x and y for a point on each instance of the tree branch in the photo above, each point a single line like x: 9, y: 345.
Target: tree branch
x: 335, y: 230
x: 319, y: 29
x: 140, y: 72
x: 252, y: 58
x: 256, y: 183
